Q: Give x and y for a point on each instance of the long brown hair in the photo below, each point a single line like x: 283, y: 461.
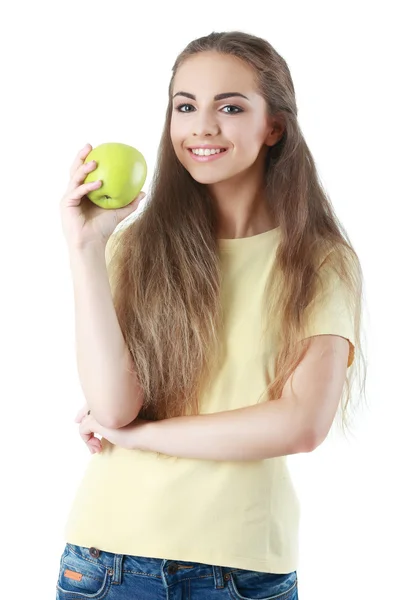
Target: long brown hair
x: 165, y: 270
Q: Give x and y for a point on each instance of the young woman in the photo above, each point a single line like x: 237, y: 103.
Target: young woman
x: 217, y: 333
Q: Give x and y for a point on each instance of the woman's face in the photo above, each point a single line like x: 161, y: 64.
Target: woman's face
x: 201, y: 117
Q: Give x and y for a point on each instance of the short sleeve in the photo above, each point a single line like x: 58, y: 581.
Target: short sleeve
x: 332, y: 311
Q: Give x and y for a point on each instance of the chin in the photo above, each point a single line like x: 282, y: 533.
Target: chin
x: 207, y: 178
x: 210, y: 180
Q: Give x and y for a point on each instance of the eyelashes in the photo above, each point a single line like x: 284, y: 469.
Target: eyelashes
x: 237, y: 109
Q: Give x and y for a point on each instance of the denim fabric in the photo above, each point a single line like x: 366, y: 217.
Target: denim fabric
x: 95, y: 574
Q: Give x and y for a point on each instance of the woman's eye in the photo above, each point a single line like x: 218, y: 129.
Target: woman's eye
x: 235, y: 110
x: 178, y: 108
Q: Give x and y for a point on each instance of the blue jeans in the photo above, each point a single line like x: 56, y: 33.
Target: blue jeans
x: 91, y: 573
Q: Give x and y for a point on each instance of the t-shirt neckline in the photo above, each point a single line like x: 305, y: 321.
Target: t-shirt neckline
x: 247, y: 242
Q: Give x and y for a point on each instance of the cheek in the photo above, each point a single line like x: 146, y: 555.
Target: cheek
x: 177, y: 136
x: 177, y: 128
x: 248, y: 145
x: 251, y: 135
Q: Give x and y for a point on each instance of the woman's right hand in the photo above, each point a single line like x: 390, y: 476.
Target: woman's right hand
x: 84, y: 222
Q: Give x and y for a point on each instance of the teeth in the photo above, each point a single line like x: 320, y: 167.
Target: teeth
x: 206, y: 152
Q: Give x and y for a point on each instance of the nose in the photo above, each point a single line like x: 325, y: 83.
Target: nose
x: 205, y: 125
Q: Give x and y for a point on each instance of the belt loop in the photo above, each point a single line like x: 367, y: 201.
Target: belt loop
x: 218, y: 577
x: 117, y: 574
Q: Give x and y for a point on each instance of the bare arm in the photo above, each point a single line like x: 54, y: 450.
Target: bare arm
x: 298, y: 422
x: 105, y: 365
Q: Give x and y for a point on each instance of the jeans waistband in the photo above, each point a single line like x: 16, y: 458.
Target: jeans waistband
x: 170, y: 571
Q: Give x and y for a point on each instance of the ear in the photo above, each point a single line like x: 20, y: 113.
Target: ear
x: 275, y: 131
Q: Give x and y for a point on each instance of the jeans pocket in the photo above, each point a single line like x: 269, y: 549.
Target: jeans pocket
x: 81, y: 578
x: 255, y: 585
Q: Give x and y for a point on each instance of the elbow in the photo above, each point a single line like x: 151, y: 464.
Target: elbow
x: 123, y: 420
x: 130, y: 403
x: 310, y: 439
x: 121, y: 414
x: 302, y: 435
x: 119, y: 421
x: 103, y: 418
x: 126, y: 397
x: 105, y: 421
x: 308, y: 432
x: 127, y: 415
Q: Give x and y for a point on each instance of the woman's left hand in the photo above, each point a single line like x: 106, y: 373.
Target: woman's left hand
x: 125, y: 437
x: 88, y: 426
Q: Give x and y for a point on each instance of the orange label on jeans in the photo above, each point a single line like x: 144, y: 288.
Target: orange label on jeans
x: 73, y: 575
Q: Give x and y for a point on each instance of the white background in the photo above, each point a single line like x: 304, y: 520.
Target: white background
x: 90, y: 71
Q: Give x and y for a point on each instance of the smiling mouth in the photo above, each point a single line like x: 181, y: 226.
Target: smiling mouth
x: 206, y: 151
x: 208, y: 154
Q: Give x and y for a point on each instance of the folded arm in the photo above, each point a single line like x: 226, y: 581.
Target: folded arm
x: 298, y: 422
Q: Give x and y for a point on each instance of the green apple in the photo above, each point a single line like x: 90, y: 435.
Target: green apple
x: 123, y: 171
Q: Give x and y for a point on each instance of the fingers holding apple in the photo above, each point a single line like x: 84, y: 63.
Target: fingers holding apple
x: 77, y: 181
x: 79, y: 159
x: 109, y: 176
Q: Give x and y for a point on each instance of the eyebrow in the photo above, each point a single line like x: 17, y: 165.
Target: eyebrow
x: 216, y: 98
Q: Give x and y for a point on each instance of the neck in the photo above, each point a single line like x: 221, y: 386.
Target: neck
x: 242, y: 207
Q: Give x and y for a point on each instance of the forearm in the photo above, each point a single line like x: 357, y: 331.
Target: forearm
x: 265, y: 430
x: 105, y: 365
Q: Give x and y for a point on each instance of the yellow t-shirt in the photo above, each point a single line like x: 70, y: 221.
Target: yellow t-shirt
x: 235, y: 514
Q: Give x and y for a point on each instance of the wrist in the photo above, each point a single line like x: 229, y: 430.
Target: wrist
x: 144, y: 434
x: 87, y: 259
x: 82, y: 249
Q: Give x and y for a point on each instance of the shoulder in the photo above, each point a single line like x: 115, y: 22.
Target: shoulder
x: 112, y: 244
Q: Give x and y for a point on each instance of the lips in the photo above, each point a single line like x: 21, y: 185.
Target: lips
x: 207, y: 151
x: 206, y: 147
x: 207, y: 155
